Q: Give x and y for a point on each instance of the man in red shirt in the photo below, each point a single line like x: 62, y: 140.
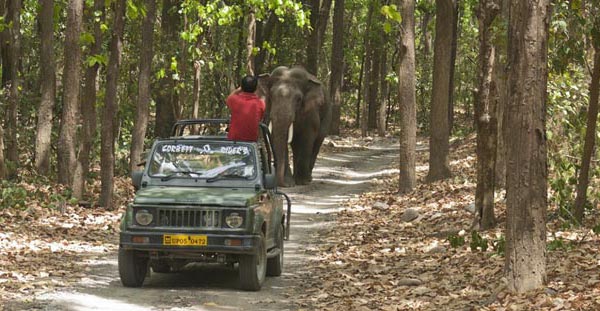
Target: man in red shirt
x: 246, y: 109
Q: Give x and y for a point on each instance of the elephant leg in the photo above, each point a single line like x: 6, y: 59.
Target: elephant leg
x: 302, y: 147
x: 315, y: 152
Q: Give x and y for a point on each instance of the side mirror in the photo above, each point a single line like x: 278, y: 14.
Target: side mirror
x: 136, y: 179
x: 270, y: 182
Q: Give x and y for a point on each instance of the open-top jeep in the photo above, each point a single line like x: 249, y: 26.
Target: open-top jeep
x: 204, y: 198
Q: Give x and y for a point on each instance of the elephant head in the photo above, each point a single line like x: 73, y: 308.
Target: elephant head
x: 294, y: 99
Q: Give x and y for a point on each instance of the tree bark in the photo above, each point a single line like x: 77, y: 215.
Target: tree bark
x: 71, y: 82
x: 439, y: 129
x: 407, y: 98
x: 526, y: 191
x: 590, y: 138
x: 455, y: 29
x: 5, y: 73
x: 109, y: 113
x: 376, y: 46
x: 264, y: 35
x: 88, y: 105
x: 337, y: 66
x: 485, y: 116
x: 383, y: 96
x: 318, y: 20
x: 166, y: 96
x: 250, y: 42
x: 47, y: 88
x: 11, y: 114
x: 143, y: 106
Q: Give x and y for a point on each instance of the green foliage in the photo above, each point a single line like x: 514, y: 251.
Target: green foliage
x: 567, y: 104
x: 478, y: 242
x: 499, y: 245
x: 12, y: 195
x: 456, y: 240
x: 559, y: 244
x: 596, y: 229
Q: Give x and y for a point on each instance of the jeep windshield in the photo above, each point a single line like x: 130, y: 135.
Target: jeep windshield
x: 206, y: 160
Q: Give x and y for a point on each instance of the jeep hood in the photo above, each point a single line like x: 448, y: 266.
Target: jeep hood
x: 197, y: 196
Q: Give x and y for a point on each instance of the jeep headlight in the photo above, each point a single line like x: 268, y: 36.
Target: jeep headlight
x: 143, y: 217
x: 234, y: 220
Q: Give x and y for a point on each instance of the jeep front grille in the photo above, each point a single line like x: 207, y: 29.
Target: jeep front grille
x: 189, y: 218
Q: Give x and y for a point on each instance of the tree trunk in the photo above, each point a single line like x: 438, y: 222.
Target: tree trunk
x: 250, y: 42
x: 499, y: 77
x: 262, y: 36
x: 4, y: 62
x: 13, y: 83
x: 109, y: 113
x: 590, y: 138
x: 383, y: 87
x: 455, y: 29
x: 439, y: 129
x: 426, y: 63
x: 88, y: 106
x: 376, y: 46
x: 485, y: 116
x: 47, y: 88
x: 71, y: 81
x: 526, y: 191
x: 318, y: 21
x: 143, y: 106
x: 360, y: 88
x: 407, y: 98
x: 337, y: 67
x: 166, y: 95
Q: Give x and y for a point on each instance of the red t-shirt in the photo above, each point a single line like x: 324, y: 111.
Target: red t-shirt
x: 246, y: 112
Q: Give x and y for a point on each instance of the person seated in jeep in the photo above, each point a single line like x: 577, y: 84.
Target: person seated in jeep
x: 246, y: 109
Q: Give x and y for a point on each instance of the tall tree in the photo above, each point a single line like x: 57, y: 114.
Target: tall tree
x: 337, y: 66
x: 366, y: 74
x: 88, y: 101
x: 4, y: 63
x: 442, y: 59
x: 377, y: 49
x: 590, y: 132
x: 13, y: 83
x: 109, y: 113
x: 71, y: 83
x: 407, y: 98
x: 143, y: 100
x: 485, y: 116
x: 251, y: 28
x: 318, y: 20
x: 527, y: 173
x: 454, y: 45
x: 264, y: 32
x: 47, y: 88
x: 166, y: 96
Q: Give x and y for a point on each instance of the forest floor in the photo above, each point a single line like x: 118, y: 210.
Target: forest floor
x: 355, y: 245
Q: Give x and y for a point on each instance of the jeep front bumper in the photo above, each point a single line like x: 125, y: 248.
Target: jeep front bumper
x: 216, y: 243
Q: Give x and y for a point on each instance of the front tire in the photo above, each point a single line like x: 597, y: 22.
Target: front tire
x: 275, y: 264
x: 132, y: 268
x: 253, y: 268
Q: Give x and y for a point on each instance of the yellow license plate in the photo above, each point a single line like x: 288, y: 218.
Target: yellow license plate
x: 184, y: 240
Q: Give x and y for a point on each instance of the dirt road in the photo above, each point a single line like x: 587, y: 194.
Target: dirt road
x: 338, y: 176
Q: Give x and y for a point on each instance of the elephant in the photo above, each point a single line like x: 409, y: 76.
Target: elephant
x: 296, y: 101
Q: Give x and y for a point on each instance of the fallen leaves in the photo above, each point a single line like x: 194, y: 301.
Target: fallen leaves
x: 44, y: 247
x: 391, y: 252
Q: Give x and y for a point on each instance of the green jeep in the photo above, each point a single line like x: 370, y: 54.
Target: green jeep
x: 204, y: 198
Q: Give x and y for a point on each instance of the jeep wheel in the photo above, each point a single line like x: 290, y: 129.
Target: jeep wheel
x: 275, y: 264
x: 253, y: 268
x: 132, y: 268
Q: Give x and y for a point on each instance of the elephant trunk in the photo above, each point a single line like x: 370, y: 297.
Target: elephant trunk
x: 280, y: 142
